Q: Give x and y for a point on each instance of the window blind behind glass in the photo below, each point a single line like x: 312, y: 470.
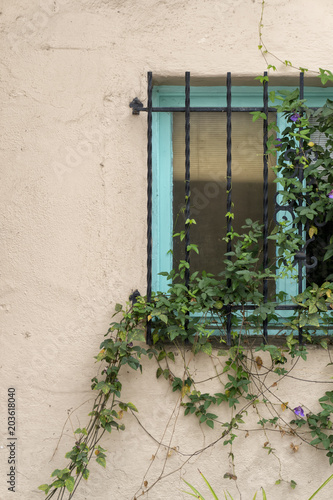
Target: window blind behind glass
x: 208, y: 153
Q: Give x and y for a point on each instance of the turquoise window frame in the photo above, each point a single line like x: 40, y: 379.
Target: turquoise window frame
x: 162, y: 188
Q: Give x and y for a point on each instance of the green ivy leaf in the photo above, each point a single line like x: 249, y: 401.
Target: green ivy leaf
x: 56, y: 472
x: 85, y: 474
x: 133, y: 407
x: 69, y: 483
x: 293, y: 484
x: 101, y: 461
x: 164, y: 318
x: 161, y: 356
x: 58, y: 484
x: 258, y: 114
x: 192, y: 247
x: 44, y: 487
x: 171, y: 356
x: 207, y: 348
x: 60, y: 473
x: 211, y: 416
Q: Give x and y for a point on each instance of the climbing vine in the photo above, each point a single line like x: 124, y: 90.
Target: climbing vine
x: 194, y: 317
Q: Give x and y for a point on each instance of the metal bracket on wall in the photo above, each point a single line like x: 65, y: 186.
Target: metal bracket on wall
x: 136, y: 106
x: 133, y: 297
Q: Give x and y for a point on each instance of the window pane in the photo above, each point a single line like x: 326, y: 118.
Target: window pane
x: 209, y: 185
x: 315, y: 251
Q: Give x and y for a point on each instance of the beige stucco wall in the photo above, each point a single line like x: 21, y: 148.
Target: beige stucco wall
x: 73, y: 243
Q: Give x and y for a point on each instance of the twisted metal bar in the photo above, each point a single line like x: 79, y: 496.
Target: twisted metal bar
x: 137, y: 107
x: 187, y: 176
x: 149, y: 197
x: 229, y: 188
x: 265, y: 199
x: 300, y: 225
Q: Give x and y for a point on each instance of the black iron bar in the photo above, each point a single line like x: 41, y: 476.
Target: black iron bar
x: 187, y: 176
x: 200, y: 109
x: 265, y: 200
x: 149, y: 197
x: 300, y: 225
x: 229, y: 187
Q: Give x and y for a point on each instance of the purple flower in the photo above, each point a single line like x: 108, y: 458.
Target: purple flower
x: 278, y: 143
x: 331, y: 195
x: 299, y: 411
x: 130, y: 344
x: 295, y: 117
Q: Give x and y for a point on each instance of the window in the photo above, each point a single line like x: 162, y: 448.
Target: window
x: 176, y: 113
x: 208, y: 160
x: 208, y: 165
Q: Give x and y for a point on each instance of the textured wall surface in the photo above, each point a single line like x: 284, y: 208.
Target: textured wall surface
x: 73, y: 240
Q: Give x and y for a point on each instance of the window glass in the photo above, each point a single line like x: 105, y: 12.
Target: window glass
x: 209, y: 183
x: 319, y: 270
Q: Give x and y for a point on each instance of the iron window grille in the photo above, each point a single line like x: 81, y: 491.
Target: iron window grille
x: 300, y: 259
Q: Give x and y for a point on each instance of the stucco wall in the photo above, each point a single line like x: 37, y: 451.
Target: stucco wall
x: 73, y: 196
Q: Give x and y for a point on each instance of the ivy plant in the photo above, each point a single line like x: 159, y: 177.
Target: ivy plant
x: 194, y: 316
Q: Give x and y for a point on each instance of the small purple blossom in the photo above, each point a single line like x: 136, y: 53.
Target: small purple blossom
x: 130, y: 344
x: 278, y: 143
x: 299, y: 411
x: 295, y: 117
x: 331, y: 195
